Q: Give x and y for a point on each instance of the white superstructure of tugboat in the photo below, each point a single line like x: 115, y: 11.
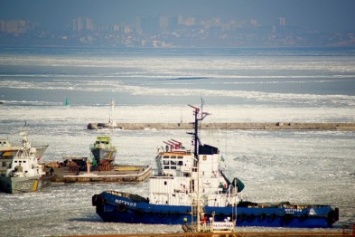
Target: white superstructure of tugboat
x: 190, y: 181
x: 20, y: 170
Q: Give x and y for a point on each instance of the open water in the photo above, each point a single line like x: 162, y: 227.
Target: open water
x: 152, y: 85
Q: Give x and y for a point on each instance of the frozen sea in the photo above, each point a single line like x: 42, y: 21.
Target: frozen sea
x: 155, y: 85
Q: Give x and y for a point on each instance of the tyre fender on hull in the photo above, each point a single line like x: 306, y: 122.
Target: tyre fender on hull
x: 97, y: 200
x: 121, y: 207
x: 272, y: 217
x: 333, y: 216
x: 287, y: 218
x: 94, y: 199
x: 262, y: 217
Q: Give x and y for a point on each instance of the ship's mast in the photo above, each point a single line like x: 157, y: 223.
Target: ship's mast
x: 196, y: 138
x: 197, y: 142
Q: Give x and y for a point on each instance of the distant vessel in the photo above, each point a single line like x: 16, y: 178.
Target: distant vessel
x: 20, y: 169
x: 182, y: 174
x: 111, y: 122
x: 104, y: 152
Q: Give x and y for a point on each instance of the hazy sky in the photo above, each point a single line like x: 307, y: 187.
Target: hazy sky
x: 310, y: 14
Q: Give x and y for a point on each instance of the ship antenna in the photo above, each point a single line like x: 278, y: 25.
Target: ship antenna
x: 197, y: 142
x: 196, y: 138
x: 202, y: 103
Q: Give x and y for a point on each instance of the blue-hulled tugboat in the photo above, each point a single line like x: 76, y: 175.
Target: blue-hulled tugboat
x: 186, y: 176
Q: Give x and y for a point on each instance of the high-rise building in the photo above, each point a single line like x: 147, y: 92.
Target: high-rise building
x: 15, y: 27
x: 189, y: 21
x: 254, y: 22
x: 164, y: 23
x: 81, y: 24
x: 282, y: 21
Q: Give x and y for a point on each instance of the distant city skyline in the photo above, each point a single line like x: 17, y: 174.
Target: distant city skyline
x: 178, y: 23
x: 321, y: 15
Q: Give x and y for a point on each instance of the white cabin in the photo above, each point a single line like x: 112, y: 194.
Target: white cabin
x: 178, y: 178
x: 19, y: 161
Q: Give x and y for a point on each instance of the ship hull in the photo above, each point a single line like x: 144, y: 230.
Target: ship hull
x: 15, y: 185
x: 134, y: 209
x: 103, y: 154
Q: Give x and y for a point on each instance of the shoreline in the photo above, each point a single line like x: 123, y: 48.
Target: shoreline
x: 239, y: 126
